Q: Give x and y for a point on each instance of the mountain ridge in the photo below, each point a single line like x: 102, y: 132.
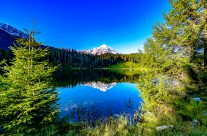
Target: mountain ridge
x: 13, y: 31
x: 9, y: 34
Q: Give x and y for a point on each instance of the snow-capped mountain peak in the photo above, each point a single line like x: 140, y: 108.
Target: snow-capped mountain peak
x: 12, y: 31
x: 103, y: 49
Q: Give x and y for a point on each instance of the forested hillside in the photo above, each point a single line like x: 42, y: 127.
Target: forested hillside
x: 69, y: 58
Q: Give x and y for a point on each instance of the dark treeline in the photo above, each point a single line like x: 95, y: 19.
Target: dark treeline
x: 69, y: 58
x: 5, y: 54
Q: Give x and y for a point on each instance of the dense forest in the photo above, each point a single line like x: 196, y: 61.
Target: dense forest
x: 69, y: 58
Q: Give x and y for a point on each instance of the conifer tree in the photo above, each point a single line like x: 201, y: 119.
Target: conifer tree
x: 186, y: 26
x: 27, y: 97
x: 176, y: 74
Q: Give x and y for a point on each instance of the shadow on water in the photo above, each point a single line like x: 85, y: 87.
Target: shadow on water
x: 71, y: 78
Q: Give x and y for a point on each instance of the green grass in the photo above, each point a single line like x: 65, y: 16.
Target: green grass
x: 126, y: 65
x: 127, y: 68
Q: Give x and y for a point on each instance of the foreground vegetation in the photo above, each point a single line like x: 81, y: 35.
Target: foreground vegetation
x: 27, y: 98
x: 175, y: 88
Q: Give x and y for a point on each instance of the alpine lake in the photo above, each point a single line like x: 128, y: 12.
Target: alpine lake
x: 91, y: 95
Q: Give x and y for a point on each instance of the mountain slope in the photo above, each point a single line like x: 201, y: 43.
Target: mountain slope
x: 6, y: 40
x: 67, y: 58
x: 8, y: 36
x: 12, y: 31
x: 103, y: 49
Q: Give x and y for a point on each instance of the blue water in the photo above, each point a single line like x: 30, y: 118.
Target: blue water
x: 121, y: 98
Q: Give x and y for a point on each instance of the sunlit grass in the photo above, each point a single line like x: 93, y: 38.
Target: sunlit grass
x: 127, y: 68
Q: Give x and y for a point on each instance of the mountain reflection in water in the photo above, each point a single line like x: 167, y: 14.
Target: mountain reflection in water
x: 98, y: 96
x: 100, y: 85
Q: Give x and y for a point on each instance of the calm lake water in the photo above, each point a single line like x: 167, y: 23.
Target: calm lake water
x: 90, y: 98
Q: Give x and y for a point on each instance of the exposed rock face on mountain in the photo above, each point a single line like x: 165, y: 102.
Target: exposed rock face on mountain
x: 12, y: 31
x: 103, y: 49
x: 100, y: 85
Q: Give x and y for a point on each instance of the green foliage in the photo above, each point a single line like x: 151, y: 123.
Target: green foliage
x: 125, y: 65
x: 111, y: 127
x: 186, y: 27
x: 27, y: 97
x: 176, y: 72
x: 127, y: 68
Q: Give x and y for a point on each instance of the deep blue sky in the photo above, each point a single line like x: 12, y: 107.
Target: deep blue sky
x: 84, y: 24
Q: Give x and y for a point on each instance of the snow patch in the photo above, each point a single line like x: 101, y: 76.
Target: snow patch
x: 13, y: 31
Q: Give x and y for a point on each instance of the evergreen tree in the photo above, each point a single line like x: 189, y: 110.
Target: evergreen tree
x: 186, y: 26
x: 27, y: 97
x: 175, y: 74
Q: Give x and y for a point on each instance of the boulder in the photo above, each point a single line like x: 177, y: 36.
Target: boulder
x: 195, y: 123
x: 161, y: 128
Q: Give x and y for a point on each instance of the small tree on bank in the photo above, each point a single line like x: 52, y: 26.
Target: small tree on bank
x: 27, y: 98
